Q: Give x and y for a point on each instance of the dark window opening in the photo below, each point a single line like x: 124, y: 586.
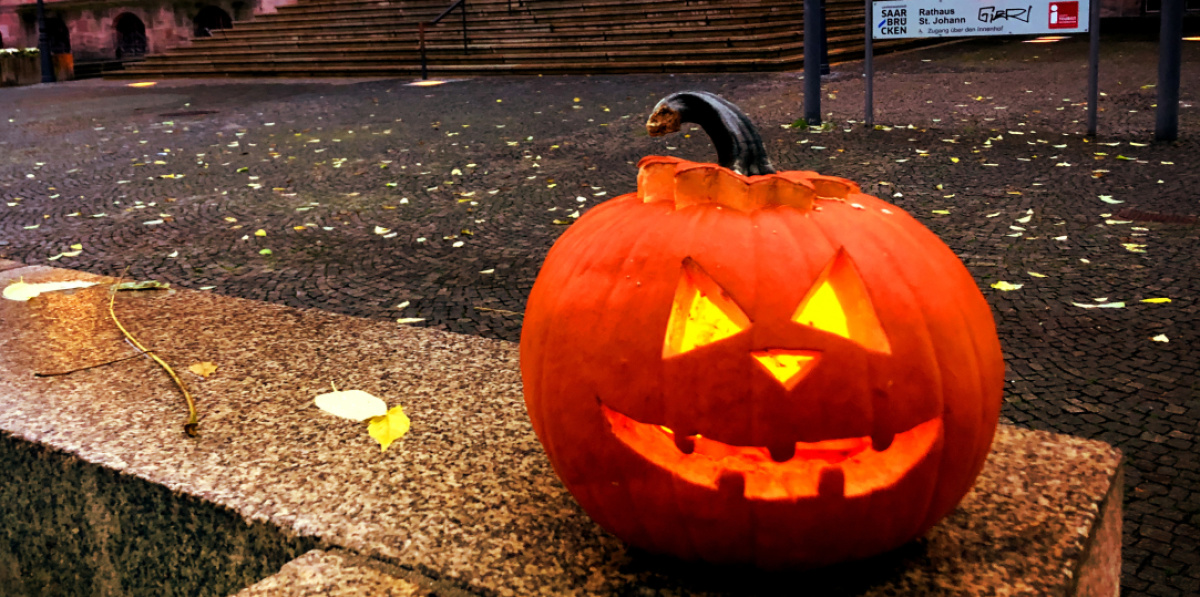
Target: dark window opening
x: 209, y: 19
x: 131, y: 36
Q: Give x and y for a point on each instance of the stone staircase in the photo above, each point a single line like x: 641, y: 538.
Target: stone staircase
x: 380, y: 38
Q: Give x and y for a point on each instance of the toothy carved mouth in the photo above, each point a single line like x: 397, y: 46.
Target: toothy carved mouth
x: 849, y: 466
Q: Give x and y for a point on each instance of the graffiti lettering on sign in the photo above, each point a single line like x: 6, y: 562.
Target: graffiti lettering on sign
x: 991, y: 14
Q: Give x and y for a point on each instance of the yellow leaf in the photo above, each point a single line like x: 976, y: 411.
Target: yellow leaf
x: 1036, y: 275
x: 1156, y: 300
x: 203, y: 369
x: 389, y: 428
x: 1006, y: 286
x: 955, y: 160
x: 260, y: 232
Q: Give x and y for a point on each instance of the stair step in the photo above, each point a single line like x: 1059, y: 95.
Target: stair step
x: 379, y: 38
x: 255, y: 49
x: 310, y: 69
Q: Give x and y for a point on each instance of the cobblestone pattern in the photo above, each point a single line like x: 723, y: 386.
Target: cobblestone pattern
x: 383, y: 200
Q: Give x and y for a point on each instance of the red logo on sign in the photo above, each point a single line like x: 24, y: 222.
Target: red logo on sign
x: 1064, y: 15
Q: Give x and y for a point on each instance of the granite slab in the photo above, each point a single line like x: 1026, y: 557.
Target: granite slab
x: 320, y: 573
x: 468, y: 498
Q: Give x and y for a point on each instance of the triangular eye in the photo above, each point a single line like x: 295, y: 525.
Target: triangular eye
x: 838, y: 303
x: 702, y: 313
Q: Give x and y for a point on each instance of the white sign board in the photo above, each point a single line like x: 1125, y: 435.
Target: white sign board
x: 896, y: 19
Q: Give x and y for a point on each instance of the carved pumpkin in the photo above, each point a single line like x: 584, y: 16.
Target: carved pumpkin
x: 770, y: 368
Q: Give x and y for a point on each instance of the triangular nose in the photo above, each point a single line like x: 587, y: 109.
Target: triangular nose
x: 788, y: 367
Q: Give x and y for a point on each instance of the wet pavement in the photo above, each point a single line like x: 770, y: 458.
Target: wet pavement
x: 436, y: 205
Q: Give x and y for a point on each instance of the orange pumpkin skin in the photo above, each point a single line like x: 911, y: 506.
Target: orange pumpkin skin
x: 617, y: 401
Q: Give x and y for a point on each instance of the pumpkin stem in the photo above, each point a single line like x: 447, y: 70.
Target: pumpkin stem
x: 739, y: 146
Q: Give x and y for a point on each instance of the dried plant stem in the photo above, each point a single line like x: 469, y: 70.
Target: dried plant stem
x: 500, y: 311
x: 193, y: 421
x: 112, y: 362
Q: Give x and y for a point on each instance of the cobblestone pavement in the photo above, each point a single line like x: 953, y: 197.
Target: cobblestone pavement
x: 382, y: 200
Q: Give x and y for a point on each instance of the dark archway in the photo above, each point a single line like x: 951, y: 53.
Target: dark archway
x: 209, y: 19
x: 59, y: 35
x: 131, y: 36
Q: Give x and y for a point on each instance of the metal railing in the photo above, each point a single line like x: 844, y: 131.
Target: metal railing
x: 462, y: 4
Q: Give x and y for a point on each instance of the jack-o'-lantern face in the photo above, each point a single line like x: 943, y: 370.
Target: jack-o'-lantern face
x: 702, y: 314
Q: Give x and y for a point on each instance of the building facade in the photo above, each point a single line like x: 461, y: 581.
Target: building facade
x: 103, y: 30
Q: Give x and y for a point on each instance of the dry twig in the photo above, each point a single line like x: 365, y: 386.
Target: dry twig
x: 193, y: 421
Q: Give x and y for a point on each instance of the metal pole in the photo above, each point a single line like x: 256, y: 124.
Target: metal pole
x: 424, y: 69
x: 812, y: 62
x: 1093, y: 67
x: 44, y: 44
x: 869, y: 65
x: 1170, y: 40
x: 824, y: 44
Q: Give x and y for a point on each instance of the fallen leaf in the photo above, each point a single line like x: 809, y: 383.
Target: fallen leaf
x: 355, y: 405
x: 1108, y: 199
x: 1006, y: 286
x: 1117, y: 305
x: 1161, y: 338
x: 1155, y: 300
x: 260, y: 232
x: 22, y: 291
x: 405, y: 320
x: 389, y: 427
x: 1134, y: 247
x: 142, y: 285
x: 1036, y: 275
x: 203, y: 369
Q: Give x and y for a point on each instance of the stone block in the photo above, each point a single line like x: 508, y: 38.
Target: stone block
x: 467, y: 498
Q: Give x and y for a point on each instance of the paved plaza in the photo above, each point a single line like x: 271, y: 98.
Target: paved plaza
x: 435, y: 206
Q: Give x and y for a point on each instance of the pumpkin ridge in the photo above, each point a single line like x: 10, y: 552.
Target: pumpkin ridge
x: 571, y: 275
x: 899, y: 229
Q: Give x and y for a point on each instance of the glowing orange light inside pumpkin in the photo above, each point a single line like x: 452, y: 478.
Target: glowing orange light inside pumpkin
x: 786, y: 366
x: 839, y: 304
x: 862, y: 468
x: 701, y: 314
